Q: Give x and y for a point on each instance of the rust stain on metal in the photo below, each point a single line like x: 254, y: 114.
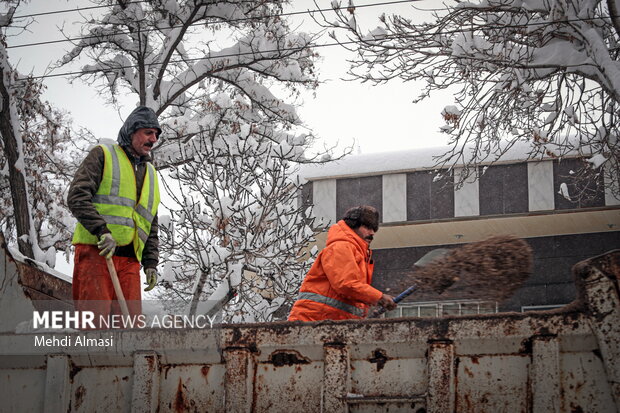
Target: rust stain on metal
x: 40, y: 285
x: 336, y: 344
x: 281, y: 358
x: 281, y: 330
x: 166, y: 369
x: 526, y: 346
x: 380, y: 357
x: 74, y: 370
x: 150, y: 360
x: 236, y: 335
x: 468, y: 403
x: 253, y: 348
x: 180, y: 402
x: 80, y: 392
x: 205, y: 372
x: 608, y: 263
x: 576, y: 409
x: 257, y: 387
x: 546, y: 334
x: 579, y: 387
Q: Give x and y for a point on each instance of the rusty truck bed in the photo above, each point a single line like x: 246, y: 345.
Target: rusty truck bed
x: 565, y: 360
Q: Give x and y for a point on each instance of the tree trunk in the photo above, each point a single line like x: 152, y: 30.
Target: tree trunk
x: 198, y: 292
x: 16, y: 178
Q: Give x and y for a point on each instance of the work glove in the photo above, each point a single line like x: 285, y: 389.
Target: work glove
x: 151, y: 278
x: 107, y: 245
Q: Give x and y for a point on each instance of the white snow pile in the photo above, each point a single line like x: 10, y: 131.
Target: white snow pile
x: 18, y: 256
x: 564, y: 191
x: 597, y: 160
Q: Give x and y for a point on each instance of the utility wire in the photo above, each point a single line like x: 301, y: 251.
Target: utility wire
x: 82, y: 72
x: 294, y: 13
x: 338, y: 43
x: 285, y: 15
x: 194, y: 59
x: 77, y: 9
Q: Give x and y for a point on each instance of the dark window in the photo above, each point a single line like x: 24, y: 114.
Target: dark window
x: 503, y: 189
x: 429, y: 196
x: 351, y: 192
x: 585, y: 186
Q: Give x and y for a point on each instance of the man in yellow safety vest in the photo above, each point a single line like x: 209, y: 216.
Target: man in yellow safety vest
x: 114, y: 197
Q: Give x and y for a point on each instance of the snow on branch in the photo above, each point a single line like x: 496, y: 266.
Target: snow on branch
x: 215, y: 72
x: 35, y: 164
x: 521, y: 71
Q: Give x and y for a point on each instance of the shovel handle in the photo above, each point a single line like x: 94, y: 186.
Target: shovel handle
x: 397, y: 299
x: 117, y: 287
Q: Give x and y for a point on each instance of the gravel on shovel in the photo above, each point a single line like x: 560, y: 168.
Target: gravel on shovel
x: 491, y: 269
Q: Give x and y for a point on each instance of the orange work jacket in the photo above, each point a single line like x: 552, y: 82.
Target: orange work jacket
x: 337, y: 287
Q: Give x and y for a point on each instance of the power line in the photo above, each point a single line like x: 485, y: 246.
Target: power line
x: 276, y: 15
x: 386, y: 3
x: 193, y: 59
x: 338, y: 43
x: 272, y: 50
x: 77, y: 9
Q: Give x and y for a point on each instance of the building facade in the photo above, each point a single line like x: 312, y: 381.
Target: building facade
x: 563, y: 216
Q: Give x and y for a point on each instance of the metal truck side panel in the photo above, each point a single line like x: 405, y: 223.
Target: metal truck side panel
x: 564, y: 360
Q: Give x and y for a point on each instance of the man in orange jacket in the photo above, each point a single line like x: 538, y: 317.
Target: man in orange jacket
x: 337, y: 287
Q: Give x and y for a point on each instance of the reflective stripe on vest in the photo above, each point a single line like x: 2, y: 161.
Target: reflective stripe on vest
x: 116, y: 199
x: 146, y: 209
x: 332, y: 302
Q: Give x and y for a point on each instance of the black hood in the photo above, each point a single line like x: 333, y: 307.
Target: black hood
x: 141, y: 117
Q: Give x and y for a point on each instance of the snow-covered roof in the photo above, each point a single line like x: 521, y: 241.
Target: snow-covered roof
x: 402, y: 161
x: 372, y: 163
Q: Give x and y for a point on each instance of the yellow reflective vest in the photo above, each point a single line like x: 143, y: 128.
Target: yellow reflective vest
x: 127, y: 217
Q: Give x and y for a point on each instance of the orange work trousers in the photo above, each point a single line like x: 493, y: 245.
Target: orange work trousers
x: 92, y: 285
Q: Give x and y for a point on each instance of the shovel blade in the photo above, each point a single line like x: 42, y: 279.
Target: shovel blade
x: 430, y: 256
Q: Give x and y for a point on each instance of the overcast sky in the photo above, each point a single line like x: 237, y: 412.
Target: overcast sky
x: 378, y: 118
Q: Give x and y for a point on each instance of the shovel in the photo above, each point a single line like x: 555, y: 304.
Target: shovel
x: 491, y: 269
x: 117, y: 287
